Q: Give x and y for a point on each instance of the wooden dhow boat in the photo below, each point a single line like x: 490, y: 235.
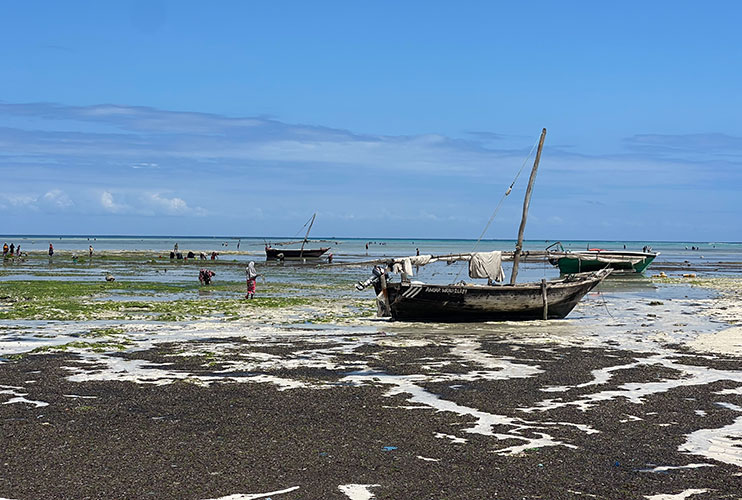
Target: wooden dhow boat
x: 273, y: 253
x: 414, y: 301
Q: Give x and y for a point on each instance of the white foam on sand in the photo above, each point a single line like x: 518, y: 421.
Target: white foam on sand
x: 18, y: 396
x: 634, y: 392
x: 358, y: 491
x: 255, y: 496
x: 405, y: 384
x: 497, y: 368
x: 146, y: 372
x: 454, y: 439
x: 678, y: 496
x: 665, y: 468
x: 723, y: 444
x: 727, y: 341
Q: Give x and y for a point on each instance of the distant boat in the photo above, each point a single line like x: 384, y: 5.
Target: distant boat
x: 294, y: 253
x: 594, y: 259
x: 415, y: 301
x: 272, y: 253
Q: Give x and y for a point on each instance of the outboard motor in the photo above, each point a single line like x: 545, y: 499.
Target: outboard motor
x: 375, y: 277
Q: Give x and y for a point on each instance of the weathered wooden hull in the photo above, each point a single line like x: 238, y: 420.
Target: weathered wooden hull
x: 580, y: 262
x: 463, y: 303
x: 294, y: 253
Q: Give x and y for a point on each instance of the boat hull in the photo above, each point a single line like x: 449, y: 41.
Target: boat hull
x: 294, y: 253
x: 466, y: 303
x: 580, y: 262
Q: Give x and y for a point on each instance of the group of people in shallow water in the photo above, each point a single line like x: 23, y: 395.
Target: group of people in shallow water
x: 251, y: 276
x: 10, y: 251
x: 205, y: 275
x: 175, y: 254
x: 191, y: 255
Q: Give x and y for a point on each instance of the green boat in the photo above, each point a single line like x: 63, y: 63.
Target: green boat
x: 594, y: 259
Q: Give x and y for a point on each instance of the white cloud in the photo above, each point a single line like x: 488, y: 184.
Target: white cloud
x: 57, y: 199
x: 19, y: 200
x: 169, y: 206
x: 110, y: 205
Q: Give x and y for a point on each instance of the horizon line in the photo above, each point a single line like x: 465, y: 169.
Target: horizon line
x: 161, y: 236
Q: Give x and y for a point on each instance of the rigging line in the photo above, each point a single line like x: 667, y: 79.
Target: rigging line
x: 499, y: 204
x: 605, y: 305
x: 302, y: 227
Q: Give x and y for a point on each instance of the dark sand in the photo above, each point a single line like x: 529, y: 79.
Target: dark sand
x: 185, y: 441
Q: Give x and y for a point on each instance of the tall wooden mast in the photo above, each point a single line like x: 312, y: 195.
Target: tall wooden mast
x: 526, y: 204
x: 301, y: 252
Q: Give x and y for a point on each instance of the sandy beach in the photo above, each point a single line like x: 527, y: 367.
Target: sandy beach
x: 127, y: 390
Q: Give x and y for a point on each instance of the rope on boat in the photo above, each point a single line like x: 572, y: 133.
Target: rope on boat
x: 305, y: 225
x: 499, y: 204
x: 606, y: 305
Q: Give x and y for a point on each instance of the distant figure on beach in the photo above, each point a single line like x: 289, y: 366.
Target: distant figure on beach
x: 238, y: 244
x: 51, y: 250
x: 190, y: 255
x: 18, y: 250
x: 329, y: 259
x: 214, y: 255
x: 417, y: 251
x: 175, y: 248
x: 5, y: 249
x: 179, y: 256
x: 202, y: 256
x: 90, y: 251
x: 252, y: 276
x: 367, y: 248
x: 172, y: 255
x: 204, y: 276
x: 12, y: 249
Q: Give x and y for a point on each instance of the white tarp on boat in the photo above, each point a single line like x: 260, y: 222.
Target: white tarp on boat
x: 486, y: 265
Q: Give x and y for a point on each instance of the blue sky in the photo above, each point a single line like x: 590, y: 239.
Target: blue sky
x: 396, y: 119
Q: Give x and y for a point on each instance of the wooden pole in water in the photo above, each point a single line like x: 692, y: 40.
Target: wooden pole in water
x: 526, y: 204
x: 385, y: 295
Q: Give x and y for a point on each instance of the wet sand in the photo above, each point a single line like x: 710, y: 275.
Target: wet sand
x: 103, y: 439
x: 628, y: 403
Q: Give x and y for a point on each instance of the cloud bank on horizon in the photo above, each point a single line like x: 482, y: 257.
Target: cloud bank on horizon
x: 117, y: 169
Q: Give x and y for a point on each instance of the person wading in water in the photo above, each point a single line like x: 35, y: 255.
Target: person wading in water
x: 252, y: 275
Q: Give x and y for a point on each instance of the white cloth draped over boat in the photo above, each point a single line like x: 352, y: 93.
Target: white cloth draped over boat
x: 486, y: 265
x: 482, y: 265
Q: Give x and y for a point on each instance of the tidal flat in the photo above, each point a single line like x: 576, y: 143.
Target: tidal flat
x: 155, y: 386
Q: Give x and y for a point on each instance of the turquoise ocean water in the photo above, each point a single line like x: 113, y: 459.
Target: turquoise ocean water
x: 347, y: 250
